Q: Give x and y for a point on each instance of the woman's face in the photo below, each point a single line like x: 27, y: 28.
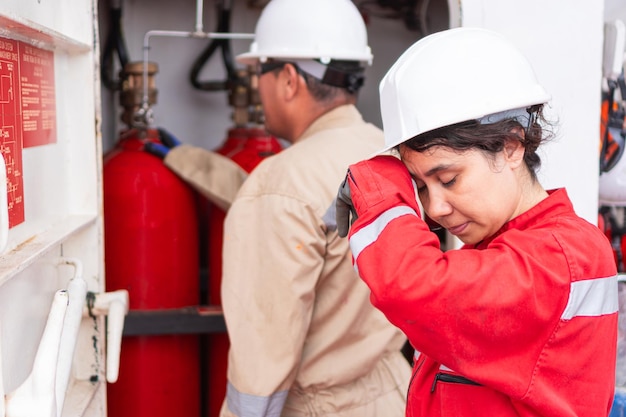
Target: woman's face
x: 467, y: 193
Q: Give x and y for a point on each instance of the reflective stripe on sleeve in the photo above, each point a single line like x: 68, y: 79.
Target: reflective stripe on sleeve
x: 247, y: 405
x: 443, y: 367
x: 368, y: 235
x: 592, y: 297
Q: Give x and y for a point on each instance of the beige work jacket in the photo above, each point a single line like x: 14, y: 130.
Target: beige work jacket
x: 305, y: 339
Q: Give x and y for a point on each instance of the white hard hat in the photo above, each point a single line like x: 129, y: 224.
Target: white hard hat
x: 453, y: 76
x: 309, y: 29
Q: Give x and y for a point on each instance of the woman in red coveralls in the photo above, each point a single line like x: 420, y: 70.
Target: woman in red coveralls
x: 522, y: 320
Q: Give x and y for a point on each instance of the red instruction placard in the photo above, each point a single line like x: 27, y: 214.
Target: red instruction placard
x: 27, y: 112
x: 37, y: 95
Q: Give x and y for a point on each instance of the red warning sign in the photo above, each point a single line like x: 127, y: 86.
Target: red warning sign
x: 37, y: 95
x: 27, y: 112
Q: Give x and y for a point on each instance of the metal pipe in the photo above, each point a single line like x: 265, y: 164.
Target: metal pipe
x: 144, y: 112
x: 77, y: 291
x: 36, y: 396
x: 199, y: 6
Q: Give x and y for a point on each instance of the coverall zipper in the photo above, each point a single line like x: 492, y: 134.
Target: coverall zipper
x: 454, y: 379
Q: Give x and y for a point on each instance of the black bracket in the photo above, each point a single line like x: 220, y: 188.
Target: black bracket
x: 186, y: 320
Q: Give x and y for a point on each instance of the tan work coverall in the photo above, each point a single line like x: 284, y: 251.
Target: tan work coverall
x: 305, y: 339
x: 216, y: 177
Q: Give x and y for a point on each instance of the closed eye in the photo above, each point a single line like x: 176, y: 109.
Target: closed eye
x: 449, y: 183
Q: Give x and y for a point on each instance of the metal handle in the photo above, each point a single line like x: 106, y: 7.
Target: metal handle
x: 114, y: 305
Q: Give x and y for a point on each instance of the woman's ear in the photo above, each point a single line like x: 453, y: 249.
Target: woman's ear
x: 513, y: 148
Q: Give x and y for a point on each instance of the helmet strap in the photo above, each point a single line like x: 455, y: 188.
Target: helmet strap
x: 352, y: 79
x: 533, y: 114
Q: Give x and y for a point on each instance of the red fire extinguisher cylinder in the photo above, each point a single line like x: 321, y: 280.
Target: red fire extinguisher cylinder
x: 151, y: 250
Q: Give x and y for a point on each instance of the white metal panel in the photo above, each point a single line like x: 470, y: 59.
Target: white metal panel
x: 72, y: 20
x: 563, y: 39
x: 62, y: 202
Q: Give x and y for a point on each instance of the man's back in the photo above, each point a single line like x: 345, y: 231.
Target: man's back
x: 298, y: 316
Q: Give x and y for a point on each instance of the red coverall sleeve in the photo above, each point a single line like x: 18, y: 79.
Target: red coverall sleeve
x: 475, y: 311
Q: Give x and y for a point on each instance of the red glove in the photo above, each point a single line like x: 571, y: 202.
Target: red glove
x: 373, y: 187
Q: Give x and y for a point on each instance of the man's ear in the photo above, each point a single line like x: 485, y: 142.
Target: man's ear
x: 291, y: 81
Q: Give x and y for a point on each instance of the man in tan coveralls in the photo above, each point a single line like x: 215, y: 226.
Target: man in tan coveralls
x: 305, y: 340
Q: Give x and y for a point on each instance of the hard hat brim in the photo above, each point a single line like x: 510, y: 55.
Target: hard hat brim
x: 251, y: 58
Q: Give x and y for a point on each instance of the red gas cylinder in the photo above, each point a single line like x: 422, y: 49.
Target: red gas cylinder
x: 151, y: 250
x: 247, y: 147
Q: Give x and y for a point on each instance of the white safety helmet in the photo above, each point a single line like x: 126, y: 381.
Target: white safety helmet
x: 453, y: 76
x: 309, y: 29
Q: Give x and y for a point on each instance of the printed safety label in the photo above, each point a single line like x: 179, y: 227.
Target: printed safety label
x: 27, y: 111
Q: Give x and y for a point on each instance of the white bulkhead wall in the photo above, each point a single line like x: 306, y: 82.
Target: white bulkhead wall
x: 58, y: 242
x: 564, y: 42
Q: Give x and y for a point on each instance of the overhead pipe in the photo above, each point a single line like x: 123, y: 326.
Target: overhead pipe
x: 143, y: 117
x: 223, y: 13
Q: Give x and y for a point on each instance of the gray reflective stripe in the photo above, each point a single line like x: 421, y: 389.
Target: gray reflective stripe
x: 443, y: 367
x: 368, y: 235
x: 247, y: 405
x: 592, y: 297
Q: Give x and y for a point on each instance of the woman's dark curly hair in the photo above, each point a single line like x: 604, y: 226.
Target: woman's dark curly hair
x: 489, y: 138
